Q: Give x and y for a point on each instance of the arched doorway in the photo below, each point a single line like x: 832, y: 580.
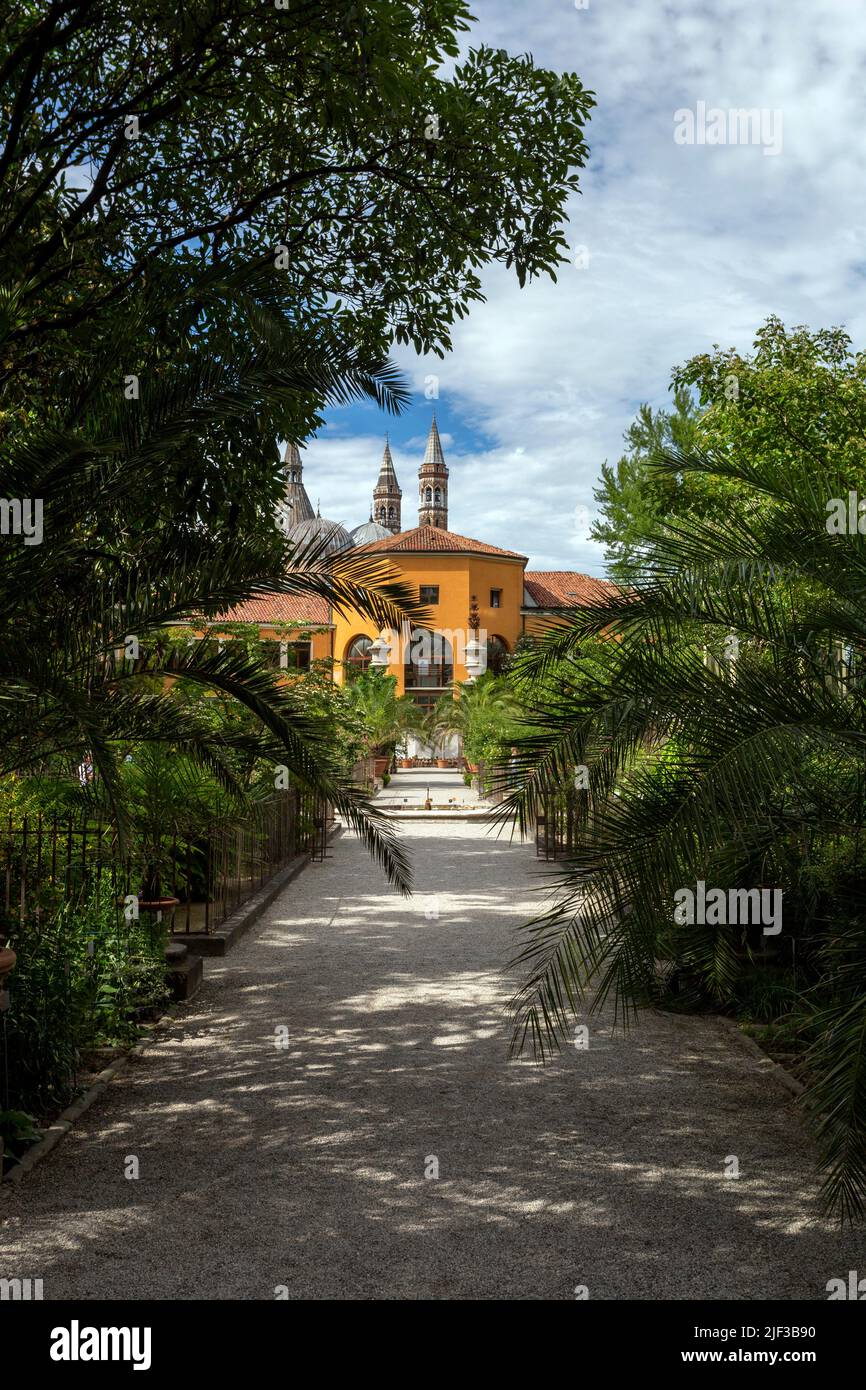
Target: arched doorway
x: 497, y: 654
x: 428, y: 667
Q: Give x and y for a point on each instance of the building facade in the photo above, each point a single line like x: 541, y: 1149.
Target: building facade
x: 481, y: 599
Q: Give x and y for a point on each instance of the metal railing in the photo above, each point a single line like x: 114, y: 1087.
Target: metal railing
x: 555, y: 825
x: 46, y: 861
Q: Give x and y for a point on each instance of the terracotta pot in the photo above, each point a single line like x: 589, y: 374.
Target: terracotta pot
x: 405, y: 762
x: 441, y: 762
x: 7, y: 964
x: 380, y: 765
x: 158, y: 906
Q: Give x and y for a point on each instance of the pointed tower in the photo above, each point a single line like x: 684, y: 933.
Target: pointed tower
x: 433, y: 484
x: 295, y: 506
x: 387, y: 494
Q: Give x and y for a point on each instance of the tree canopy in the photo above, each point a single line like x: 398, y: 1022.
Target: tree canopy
x: 226, y: 172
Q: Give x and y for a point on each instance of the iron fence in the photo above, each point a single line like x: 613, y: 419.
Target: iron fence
x: 555, y: 825
x: 46, y: 861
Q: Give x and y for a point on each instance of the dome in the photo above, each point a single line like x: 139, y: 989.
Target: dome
x: 370, y: 531
x: 335, y: 536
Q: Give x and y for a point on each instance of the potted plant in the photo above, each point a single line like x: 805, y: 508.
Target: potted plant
x: 386, y: 718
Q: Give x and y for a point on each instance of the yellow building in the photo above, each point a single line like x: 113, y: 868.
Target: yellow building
x: 481, y: 598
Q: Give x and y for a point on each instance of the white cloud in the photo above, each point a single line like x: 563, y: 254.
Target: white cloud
x: 689, y: 246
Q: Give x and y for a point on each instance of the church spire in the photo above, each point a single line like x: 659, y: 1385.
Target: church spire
x: 295, y: 506
x: 387, y: 494
x: 433, y: 483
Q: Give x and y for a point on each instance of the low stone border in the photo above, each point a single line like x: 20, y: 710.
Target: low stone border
x: 64, y: 1122
x: 227, y: 935
x: 766, y: 1062
x: 441, y: 815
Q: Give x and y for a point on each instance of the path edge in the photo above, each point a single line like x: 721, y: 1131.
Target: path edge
x: 249, y: 914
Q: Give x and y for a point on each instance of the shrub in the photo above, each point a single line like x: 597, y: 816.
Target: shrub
x: 81, y: 978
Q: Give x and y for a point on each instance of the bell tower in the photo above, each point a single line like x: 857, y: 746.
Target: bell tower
x: 387, y: 494
x: 433, y: 484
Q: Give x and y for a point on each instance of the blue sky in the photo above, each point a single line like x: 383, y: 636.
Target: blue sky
x: 687, y: 245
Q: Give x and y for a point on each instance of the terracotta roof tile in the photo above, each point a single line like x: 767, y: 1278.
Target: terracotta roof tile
x: 280, y: 608
x: 433, y: 540
x: 565, y: 588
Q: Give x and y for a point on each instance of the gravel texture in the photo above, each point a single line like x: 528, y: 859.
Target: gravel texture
x: 302, y: 1168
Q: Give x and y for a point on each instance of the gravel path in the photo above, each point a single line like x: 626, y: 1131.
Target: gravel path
x: 303, y: 1168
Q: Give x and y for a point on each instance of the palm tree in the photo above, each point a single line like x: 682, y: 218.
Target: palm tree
x: 742, y: 772
x: 72, y: 685
x: 387, y: 716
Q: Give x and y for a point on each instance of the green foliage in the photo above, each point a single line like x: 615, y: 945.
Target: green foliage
x: 81, y: 976
x: 635, y: 500
x: 389, y: 161
x: 741, y: 772
x: 18, y: 1131
x: 72, y: 693
x: 482, y: 715
x: 383, y: 717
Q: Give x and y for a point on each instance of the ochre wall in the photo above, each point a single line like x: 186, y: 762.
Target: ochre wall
x: 458, y: 577
x: 539, y: 623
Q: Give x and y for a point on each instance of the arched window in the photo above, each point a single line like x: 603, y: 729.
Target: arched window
x: 391, y: 513
x: 358, y: 657
x: 438, y: 497
x: 428, y: 495
x: 497, y: 654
